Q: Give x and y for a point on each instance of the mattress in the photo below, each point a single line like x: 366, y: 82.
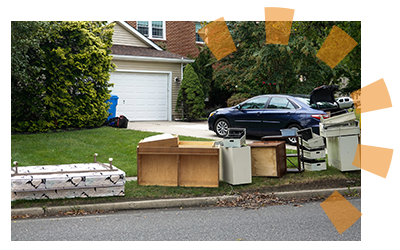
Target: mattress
x: 67, y: 181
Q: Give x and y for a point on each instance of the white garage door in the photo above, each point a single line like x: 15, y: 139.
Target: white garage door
x: 142, y: 96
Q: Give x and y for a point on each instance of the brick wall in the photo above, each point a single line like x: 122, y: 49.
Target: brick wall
x: 181, y: 37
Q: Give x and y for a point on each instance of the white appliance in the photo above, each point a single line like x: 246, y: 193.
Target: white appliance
x: 342, y: 136
x: 235, y: 167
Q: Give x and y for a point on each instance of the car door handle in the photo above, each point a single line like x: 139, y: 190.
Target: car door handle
x: 258, y: 114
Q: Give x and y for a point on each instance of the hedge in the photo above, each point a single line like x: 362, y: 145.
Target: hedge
x: 71, y: 87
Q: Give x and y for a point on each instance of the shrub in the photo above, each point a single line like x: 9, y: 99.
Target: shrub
x: 70, y: 88
x: 191, y: 97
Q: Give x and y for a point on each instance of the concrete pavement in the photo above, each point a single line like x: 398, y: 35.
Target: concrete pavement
x: 194, y: 129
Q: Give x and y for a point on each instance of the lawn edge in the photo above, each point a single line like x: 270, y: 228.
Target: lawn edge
x: 170, y: 203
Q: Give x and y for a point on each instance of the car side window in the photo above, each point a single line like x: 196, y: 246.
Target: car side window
x: 280, y: 103
x: 256, y: 103
x: 340, y: 100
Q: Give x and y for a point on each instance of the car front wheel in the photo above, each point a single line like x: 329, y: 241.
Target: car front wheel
x: 221, y: 127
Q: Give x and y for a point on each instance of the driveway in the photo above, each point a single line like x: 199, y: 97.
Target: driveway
x: 194, y: 129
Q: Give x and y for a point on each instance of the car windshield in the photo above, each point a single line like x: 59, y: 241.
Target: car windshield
x: 321, y: 105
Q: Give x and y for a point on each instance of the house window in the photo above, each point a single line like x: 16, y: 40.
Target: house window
x: 198, y: 37
x: 157, y: 29
x: 152, y: 29
x: 143, y: 27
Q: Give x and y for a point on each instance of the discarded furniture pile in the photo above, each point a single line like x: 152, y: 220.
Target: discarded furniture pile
x: 165, y: 161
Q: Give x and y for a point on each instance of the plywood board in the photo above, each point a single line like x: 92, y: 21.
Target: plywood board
x: 199, y: 170
x: 193, y: 164
x: 157, y: 170
x: 263, y: 162
x: 196, y: 144
x: 163, y: 140
x: 268, y: 159
x: 179, y: 151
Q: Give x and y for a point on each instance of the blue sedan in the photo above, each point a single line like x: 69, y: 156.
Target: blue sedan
x: 266, y: 115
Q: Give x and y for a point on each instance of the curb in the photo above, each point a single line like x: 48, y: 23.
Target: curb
x: 168, y: 203
x: 315, y: 192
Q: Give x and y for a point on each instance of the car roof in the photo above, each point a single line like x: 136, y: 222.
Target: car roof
x: 276, y: 95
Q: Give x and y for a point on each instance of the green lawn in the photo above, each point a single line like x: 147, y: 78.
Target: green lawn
x: 79, y: 146
x: 120, y: 144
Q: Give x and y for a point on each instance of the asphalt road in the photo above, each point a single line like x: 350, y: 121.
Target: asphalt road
x: 274, y: 223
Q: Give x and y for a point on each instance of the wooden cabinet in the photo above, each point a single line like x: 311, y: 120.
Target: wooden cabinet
x: 268, y: 158
x: 191, y: 164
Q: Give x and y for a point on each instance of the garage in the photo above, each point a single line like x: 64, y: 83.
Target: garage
x: 147, y: 78
x: 143, y: 96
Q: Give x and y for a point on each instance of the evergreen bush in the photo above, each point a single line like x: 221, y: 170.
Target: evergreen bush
x: 70, y: 85
x: 191, y: 97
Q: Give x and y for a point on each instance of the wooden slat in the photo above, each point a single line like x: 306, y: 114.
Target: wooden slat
x: 178, y: 150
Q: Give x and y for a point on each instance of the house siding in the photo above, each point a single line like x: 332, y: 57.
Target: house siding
x: 174, y: 68
x: 123, y: 37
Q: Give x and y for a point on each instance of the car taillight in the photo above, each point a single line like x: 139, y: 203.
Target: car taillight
x: 319, y: 116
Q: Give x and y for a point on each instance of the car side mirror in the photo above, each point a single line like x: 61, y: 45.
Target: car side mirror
x: 239, y: 107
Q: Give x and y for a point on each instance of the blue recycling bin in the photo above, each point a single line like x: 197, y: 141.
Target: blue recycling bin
x: 113, y: 106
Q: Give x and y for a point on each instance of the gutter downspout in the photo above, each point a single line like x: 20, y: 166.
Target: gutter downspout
x: 180, y: 87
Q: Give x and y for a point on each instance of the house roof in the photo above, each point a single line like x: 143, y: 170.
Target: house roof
x: 143, y: 51
x: 146, y: 54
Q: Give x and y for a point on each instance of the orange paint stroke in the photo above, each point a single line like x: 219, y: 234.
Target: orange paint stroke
x: 218, y: 38
x: 278, y: 14
x: 340, y: 211
x: 278, y: 23
x: 375, y: 160
x: 374, y: 96
x: 336, y: 46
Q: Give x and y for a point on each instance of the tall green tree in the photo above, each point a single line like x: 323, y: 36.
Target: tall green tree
x: 260, y: 68
x: 190, y: 97
x: 350, y: 67
x: 69, y: 84
x: 203, y: 68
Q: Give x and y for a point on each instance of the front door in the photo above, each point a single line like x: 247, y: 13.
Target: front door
x: 278, y: 115
x: 249, y: 115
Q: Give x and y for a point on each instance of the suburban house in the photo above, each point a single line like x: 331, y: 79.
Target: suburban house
x: 147, y: 78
